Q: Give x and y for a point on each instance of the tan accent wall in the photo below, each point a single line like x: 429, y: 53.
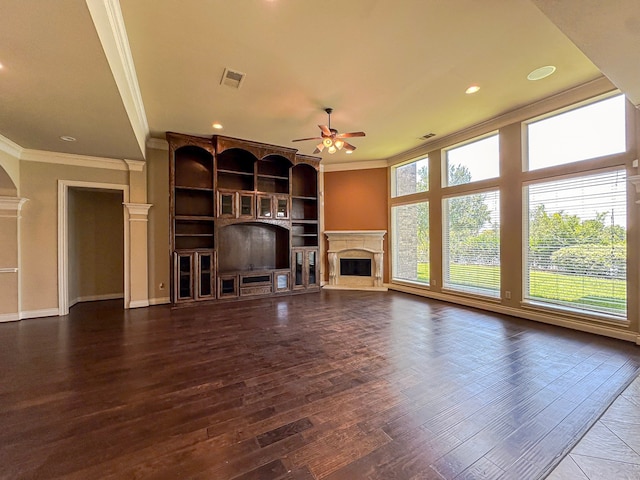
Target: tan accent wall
x: 357, y: 200
x: 158, y: 195
x: 39, y: 227
x: 96, y: 246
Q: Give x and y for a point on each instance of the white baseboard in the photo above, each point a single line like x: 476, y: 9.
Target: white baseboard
x: 159, y: 301
x: 45, y: 312
x: 138, y: 303
x: 9, y: 317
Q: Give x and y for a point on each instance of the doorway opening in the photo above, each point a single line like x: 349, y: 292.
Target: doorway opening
x: 95, y: 245
x: 93, y: 254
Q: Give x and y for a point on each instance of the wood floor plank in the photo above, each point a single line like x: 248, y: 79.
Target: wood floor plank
x: 339, y: 385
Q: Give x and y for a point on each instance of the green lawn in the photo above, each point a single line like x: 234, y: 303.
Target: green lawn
x: 560, y: 288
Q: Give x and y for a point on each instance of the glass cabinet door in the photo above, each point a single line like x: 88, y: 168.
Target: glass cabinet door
x: 184, y: 280
x: 282, y: 207
x: 246, y: 205
x: 226, y: 204
x: 205, y: 274
x: 299, y: 268
x: 264, y: 207
x: 311, y: 266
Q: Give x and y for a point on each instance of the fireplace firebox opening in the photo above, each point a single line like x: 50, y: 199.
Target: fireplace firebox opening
x: 360, y: 267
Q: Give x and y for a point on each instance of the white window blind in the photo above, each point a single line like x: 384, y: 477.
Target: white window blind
x: 471, y: 243
x: 410, y: 226
x: 576, y: 252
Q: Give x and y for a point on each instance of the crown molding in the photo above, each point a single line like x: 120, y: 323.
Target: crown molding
x: 358, y: 165
x: 10, y: 147
x: 158, y: 144
x: 72, y: 159
x: 109, y: 24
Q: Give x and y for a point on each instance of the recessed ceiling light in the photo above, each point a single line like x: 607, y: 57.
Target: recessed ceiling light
x: 349, y: 152
x: 217, y: 126
x: 1, y: 66
x: 472, y: 89
x: 542, y: 72
x: 67, y: 138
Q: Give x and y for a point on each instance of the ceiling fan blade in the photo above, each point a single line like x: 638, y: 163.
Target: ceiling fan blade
x: 352, y: 134
x: 348, y: 146
x: 325, y: 130
x: 304, y: 139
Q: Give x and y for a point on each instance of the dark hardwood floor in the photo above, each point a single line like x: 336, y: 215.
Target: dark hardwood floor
x: 336, y: 385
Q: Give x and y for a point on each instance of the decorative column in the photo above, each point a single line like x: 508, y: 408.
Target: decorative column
x: 137, y: 209
x: 138, y: 269
x: 10, y: 257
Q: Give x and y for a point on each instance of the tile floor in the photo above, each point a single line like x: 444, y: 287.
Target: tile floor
x: 611, y: 448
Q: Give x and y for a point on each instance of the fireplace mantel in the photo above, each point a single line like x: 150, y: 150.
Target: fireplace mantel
x: 355, y: 244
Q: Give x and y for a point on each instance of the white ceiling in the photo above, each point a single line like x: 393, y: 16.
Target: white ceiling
x: 394, y: 69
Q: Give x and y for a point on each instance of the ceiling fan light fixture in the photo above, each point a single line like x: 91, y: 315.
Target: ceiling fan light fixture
x: 339, y: 144
x: 332, y: 149
x: 327, y: 142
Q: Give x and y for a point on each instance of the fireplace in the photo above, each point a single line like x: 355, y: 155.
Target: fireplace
x: 355, y: 259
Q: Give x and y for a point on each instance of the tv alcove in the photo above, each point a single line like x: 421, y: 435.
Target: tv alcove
x: 243, y: 219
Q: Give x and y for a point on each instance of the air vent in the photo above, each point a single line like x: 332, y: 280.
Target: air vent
x: 232, y: 78
x: 427, y: 136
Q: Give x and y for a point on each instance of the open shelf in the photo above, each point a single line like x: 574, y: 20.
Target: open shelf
x: 270, y: 184
x: 193, y: 167
x: 304, y: 208
x: 193, y: 202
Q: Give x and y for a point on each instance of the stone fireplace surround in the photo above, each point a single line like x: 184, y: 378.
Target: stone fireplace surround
x: 355, y: 244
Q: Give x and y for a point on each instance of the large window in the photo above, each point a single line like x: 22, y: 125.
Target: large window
x: 471, y: 243
x: 410, y: 225
x: 576, y: 250
x: 477, y: 160
x: 411, y: 178
x: 595, y: 130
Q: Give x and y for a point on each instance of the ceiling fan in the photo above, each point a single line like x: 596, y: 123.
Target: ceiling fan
x: 331, y: 139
